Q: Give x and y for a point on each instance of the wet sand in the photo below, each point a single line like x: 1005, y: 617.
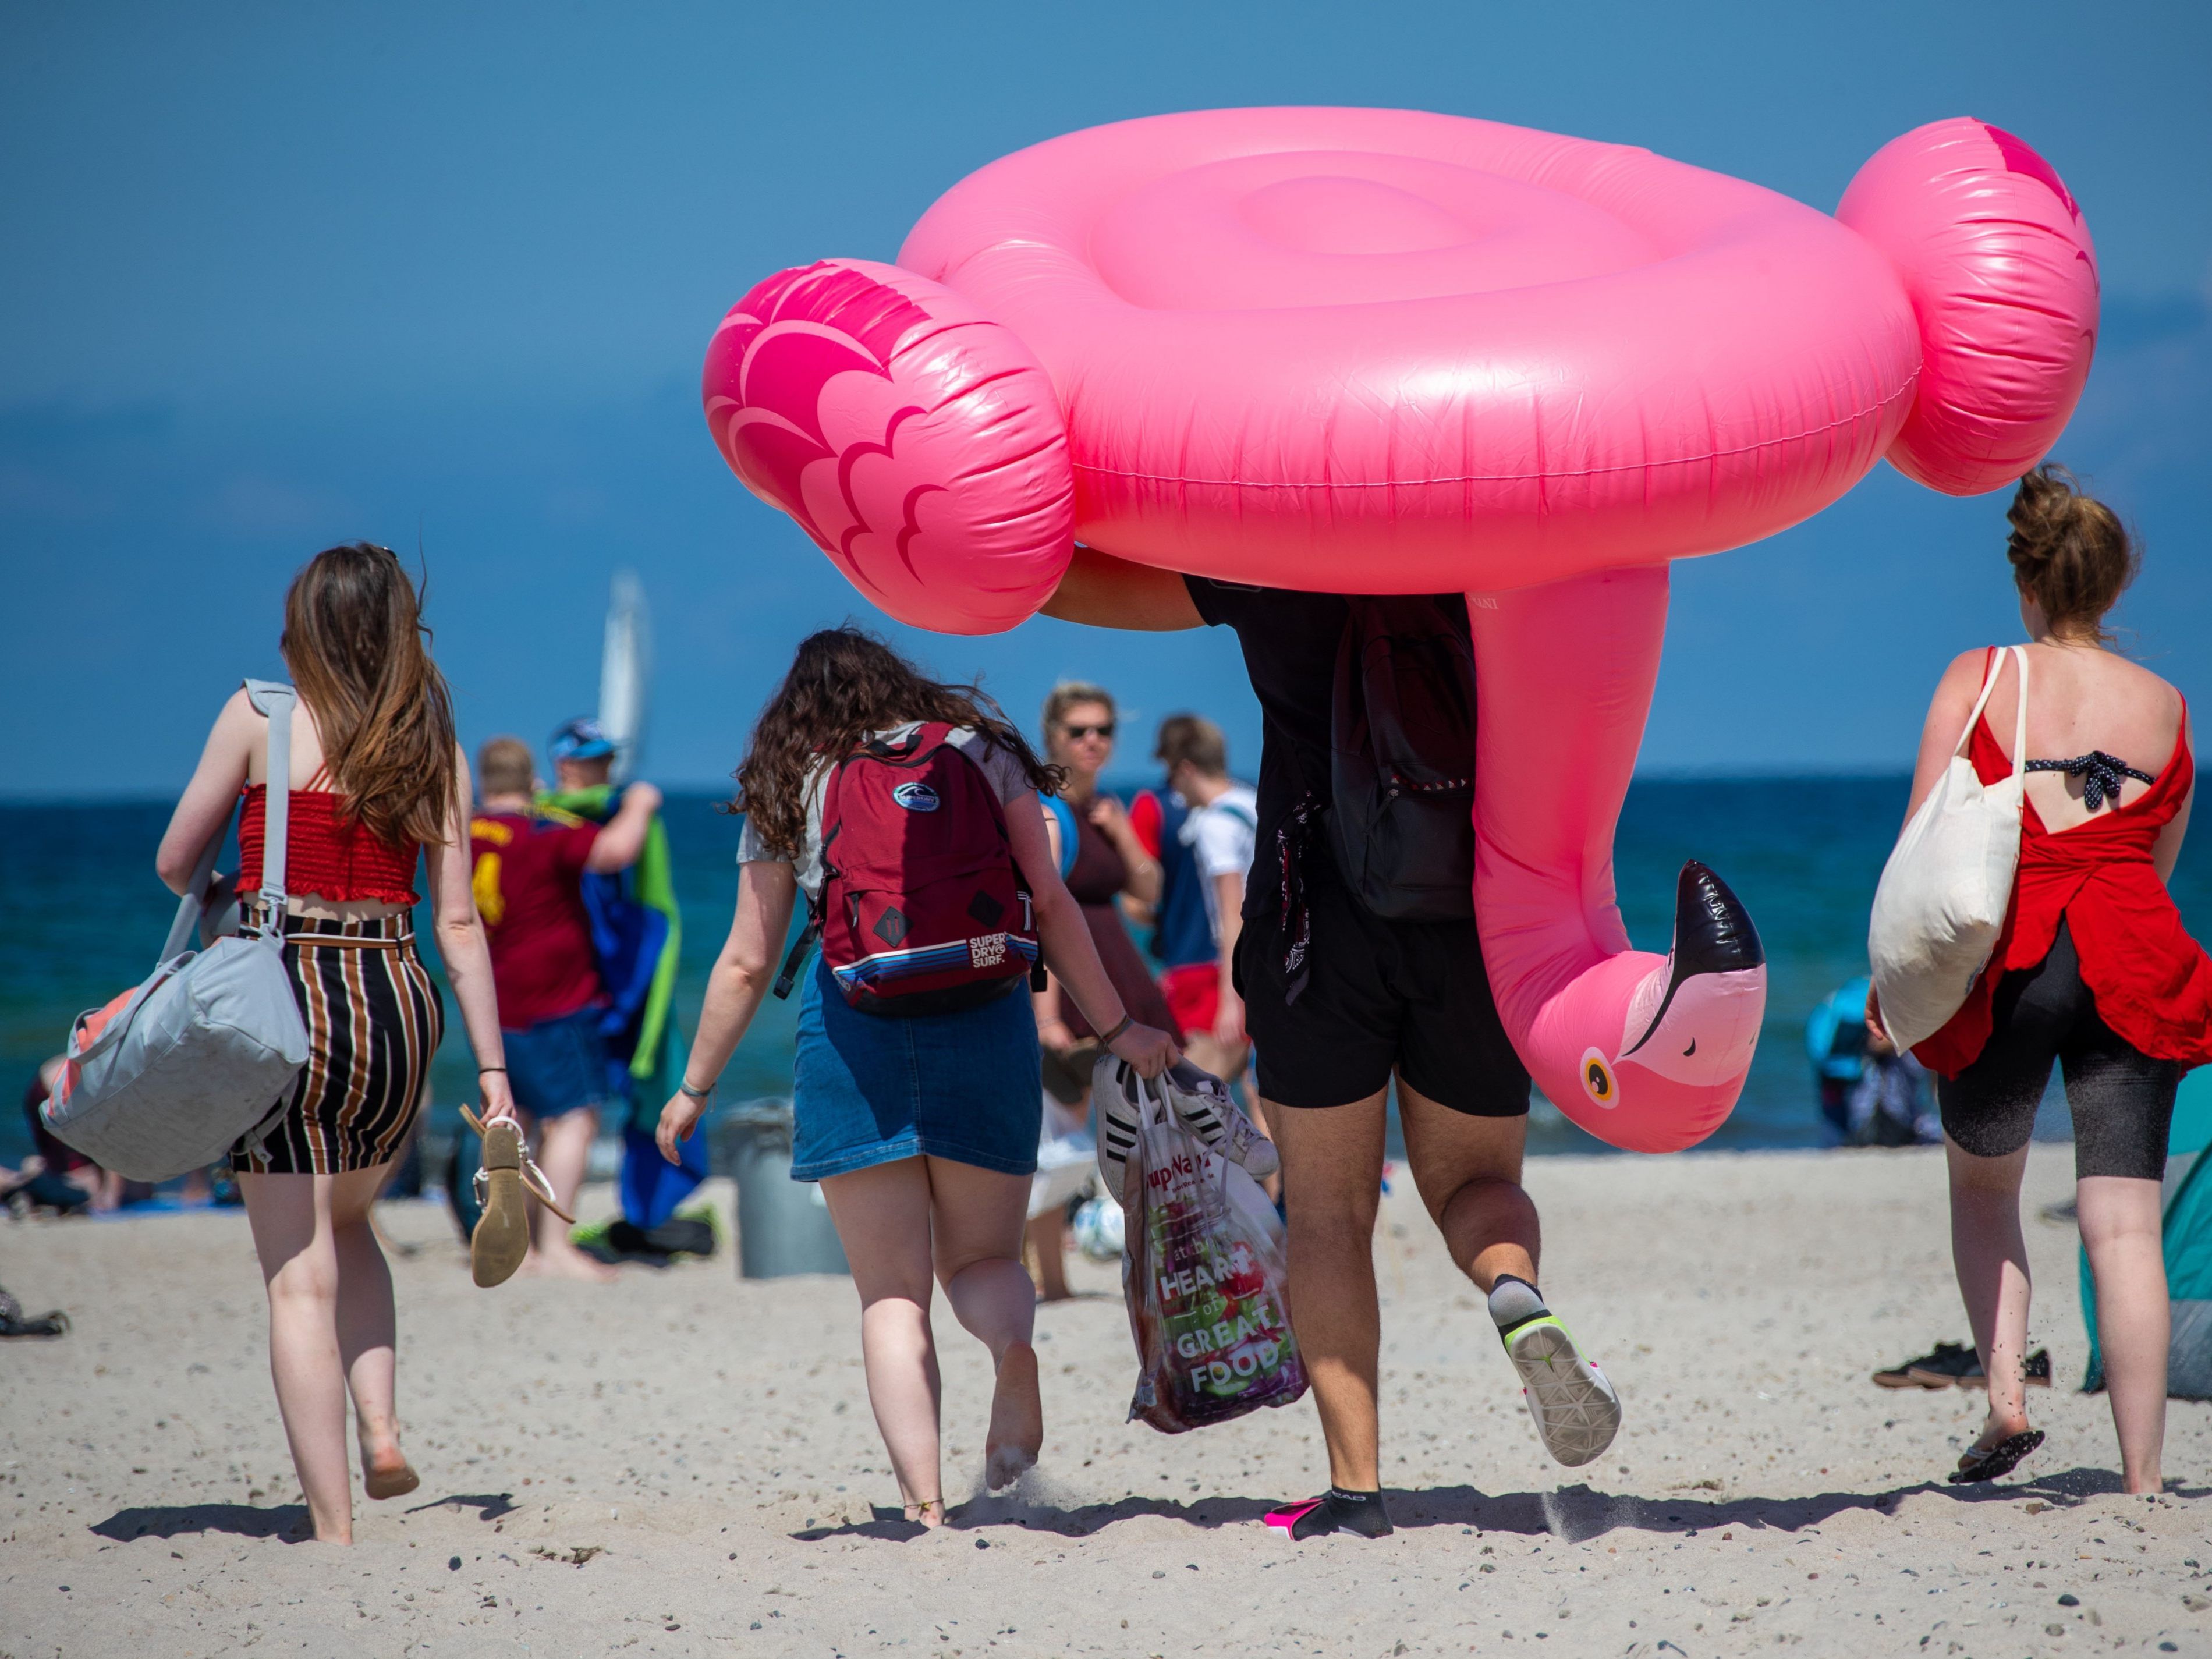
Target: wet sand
x: 685, y: 1463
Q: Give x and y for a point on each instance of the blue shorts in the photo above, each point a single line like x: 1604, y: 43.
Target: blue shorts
x: 558, y: 1065
x: 869, y: 1090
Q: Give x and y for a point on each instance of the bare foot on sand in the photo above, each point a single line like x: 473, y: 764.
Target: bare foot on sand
x: 569, y: 1263
x: 385, y: 1470
x: 1017, y: 1432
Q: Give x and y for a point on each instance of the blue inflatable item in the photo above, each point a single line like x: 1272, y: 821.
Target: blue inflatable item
x: 1064, y: 815
x: 2186, y: 1206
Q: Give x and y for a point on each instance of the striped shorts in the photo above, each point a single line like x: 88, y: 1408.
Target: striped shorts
x: 374, y: 1018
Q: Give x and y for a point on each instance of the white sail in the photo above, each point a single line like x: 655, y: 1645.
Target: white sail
x: 625, y: 671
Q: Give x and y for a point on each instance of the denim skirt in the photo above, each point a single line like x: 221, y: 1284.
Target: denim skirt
x: 869, y: 1089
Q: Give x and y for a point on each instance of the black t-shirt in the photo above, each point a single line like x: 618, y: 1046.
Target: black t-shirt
x: 1290, y: 640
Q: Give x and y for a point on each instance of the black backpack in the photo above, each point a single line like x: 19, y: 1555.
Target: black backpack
x: 1402, y: 817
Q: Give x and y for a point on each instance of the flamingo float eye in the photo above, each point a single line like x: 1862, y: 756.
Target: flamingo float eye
x: 1598, y: 1081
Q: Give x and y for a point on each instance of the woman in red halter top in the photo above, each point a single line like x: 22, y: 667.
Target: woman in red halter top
x: 376, y: 780
x: 2093, y: 972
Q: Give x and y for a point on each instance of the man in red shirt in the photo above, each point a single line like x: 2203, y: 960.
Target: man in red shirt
x: 529, y: 862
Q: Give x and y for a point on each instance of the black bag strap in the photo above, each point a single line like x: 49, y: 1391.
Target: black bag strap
x: 796, y: 955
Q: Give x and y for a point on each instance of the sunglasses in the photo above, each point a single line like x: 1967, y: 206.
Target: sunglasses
x: 1077, y: 733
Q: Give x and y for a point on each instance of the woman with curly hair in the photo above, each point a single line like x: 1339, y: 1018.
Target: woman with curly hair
x: 922, y: 1129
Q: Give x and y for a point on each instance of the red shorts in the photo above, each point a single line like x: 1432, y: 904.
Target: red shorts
x: 1193, y: 994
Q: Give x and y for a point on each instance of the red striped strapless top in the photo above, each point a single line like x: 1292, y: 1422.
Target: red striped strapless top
x: 324, y: 855
x: 2151, y: 981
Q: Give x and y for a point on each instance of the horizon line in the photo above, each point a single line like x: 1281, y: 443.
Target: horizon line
x: 697, y: 790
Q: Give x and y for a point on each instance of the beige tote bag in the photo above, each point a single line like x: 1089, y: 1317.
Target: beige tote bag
x: 1949, y: 882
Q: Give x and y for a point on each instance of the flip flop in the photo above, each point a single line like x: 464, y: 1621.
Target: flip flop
x: 506, y: 1181
x: 13, y: 1323
x: 1988, y: 1463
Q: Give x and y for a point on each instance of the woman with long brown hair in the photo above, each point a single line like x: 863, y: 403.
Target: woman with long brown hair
x: 376, y: 779
x: 920, y: 1125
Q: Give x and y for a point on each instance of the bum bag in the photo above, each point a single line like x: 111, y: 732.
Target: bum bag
x: 168, y: 1077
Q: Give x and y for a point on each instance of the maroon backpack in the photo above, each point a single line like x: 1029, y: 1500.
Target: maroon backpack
x: 921, y: 909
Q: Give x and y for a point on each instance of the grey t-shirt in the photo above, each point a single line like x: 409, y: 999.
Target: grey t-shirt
x: 1004, y: 771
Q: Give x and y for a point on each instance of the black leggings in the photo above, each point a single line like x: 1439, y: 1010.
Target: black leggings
x: 2121, y: 1098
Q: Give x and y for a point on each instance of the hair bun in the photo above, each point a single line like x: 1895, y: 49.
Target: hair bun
x: 2069, y: 551
x: 2046, y: 506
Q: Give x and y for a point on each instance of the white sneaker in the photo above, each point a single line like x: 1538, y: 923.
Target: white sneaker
x: 1576, y: 1410
x: 1203, y: 1103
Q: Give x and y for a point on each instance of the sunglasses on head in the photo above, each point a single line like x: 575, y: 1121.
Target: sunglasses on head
x: 1077, y: 733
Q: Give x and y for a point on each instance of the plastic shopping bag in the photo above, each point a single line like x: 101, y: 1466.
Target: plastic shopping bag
x: 1203, y: 1277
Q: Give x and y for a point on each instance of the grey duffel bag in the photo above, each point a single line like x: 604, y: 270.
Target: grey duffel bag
x: 205, y: 1053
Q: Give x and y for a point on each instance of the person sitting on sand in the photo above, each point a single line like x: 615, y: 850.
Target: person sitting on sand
x: 2093, y: 970
x: 922, y: 1129
x: 377, y: 780
x: 57, y: 1177
x: 530, y: 862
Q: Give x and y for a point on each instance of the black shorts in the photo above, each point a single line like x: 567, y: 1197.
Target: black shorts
x: 1408, y: 996
x: 2121, y: 1098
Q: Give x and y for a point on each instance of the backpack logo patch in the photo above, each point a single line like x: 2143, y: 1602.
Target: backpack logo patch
x: 915, y: 796
x: 988, y: 951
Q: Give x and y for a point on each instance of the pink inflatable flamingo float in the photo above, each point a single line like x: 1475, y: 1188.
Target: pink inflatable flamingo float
x: 1381, y: 351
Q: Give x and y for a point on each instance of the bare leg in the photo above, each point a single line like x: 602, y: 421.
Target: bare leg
x: 977, y: 1216
x: 1990, y: 1257
x: 366, y: 1325
x: 1257, y: 1111
x: 2120, y: 1229
x: 1047, y: 1236
x: 1468, y: 1171
x: 882, y: 1215
x: 564, y: 1153
x: 1209, y: 1053
x: 290, y: 1216
x: 1332, y: 1187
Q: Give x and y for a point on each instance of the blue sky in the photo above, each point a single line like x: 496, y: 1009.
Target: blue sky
x: 443, y: 275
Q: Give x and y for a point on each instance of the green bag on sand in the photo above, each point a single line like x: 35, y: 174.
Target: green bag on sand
x: 2186, y: 1204
x: 1203, y: 1277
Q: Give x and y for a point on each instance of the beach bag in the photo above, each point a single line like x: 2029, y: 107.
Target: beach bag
x: 169, y: 1077
x: 921, y: 910
x: 1401, y: 766
x: 1944, y: 893
x: 1203, y: 1275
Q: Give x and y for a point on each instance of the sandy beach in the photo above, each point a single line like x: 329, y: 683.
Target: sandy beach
x: 685, y: 1464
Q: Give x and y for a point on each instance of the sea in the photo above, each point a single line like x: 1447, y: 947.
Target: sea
x: 83, y: 916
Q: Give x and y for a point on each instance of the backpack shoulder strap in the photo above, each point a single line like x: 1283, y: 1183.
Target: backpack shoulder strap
x: 795, y: 957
